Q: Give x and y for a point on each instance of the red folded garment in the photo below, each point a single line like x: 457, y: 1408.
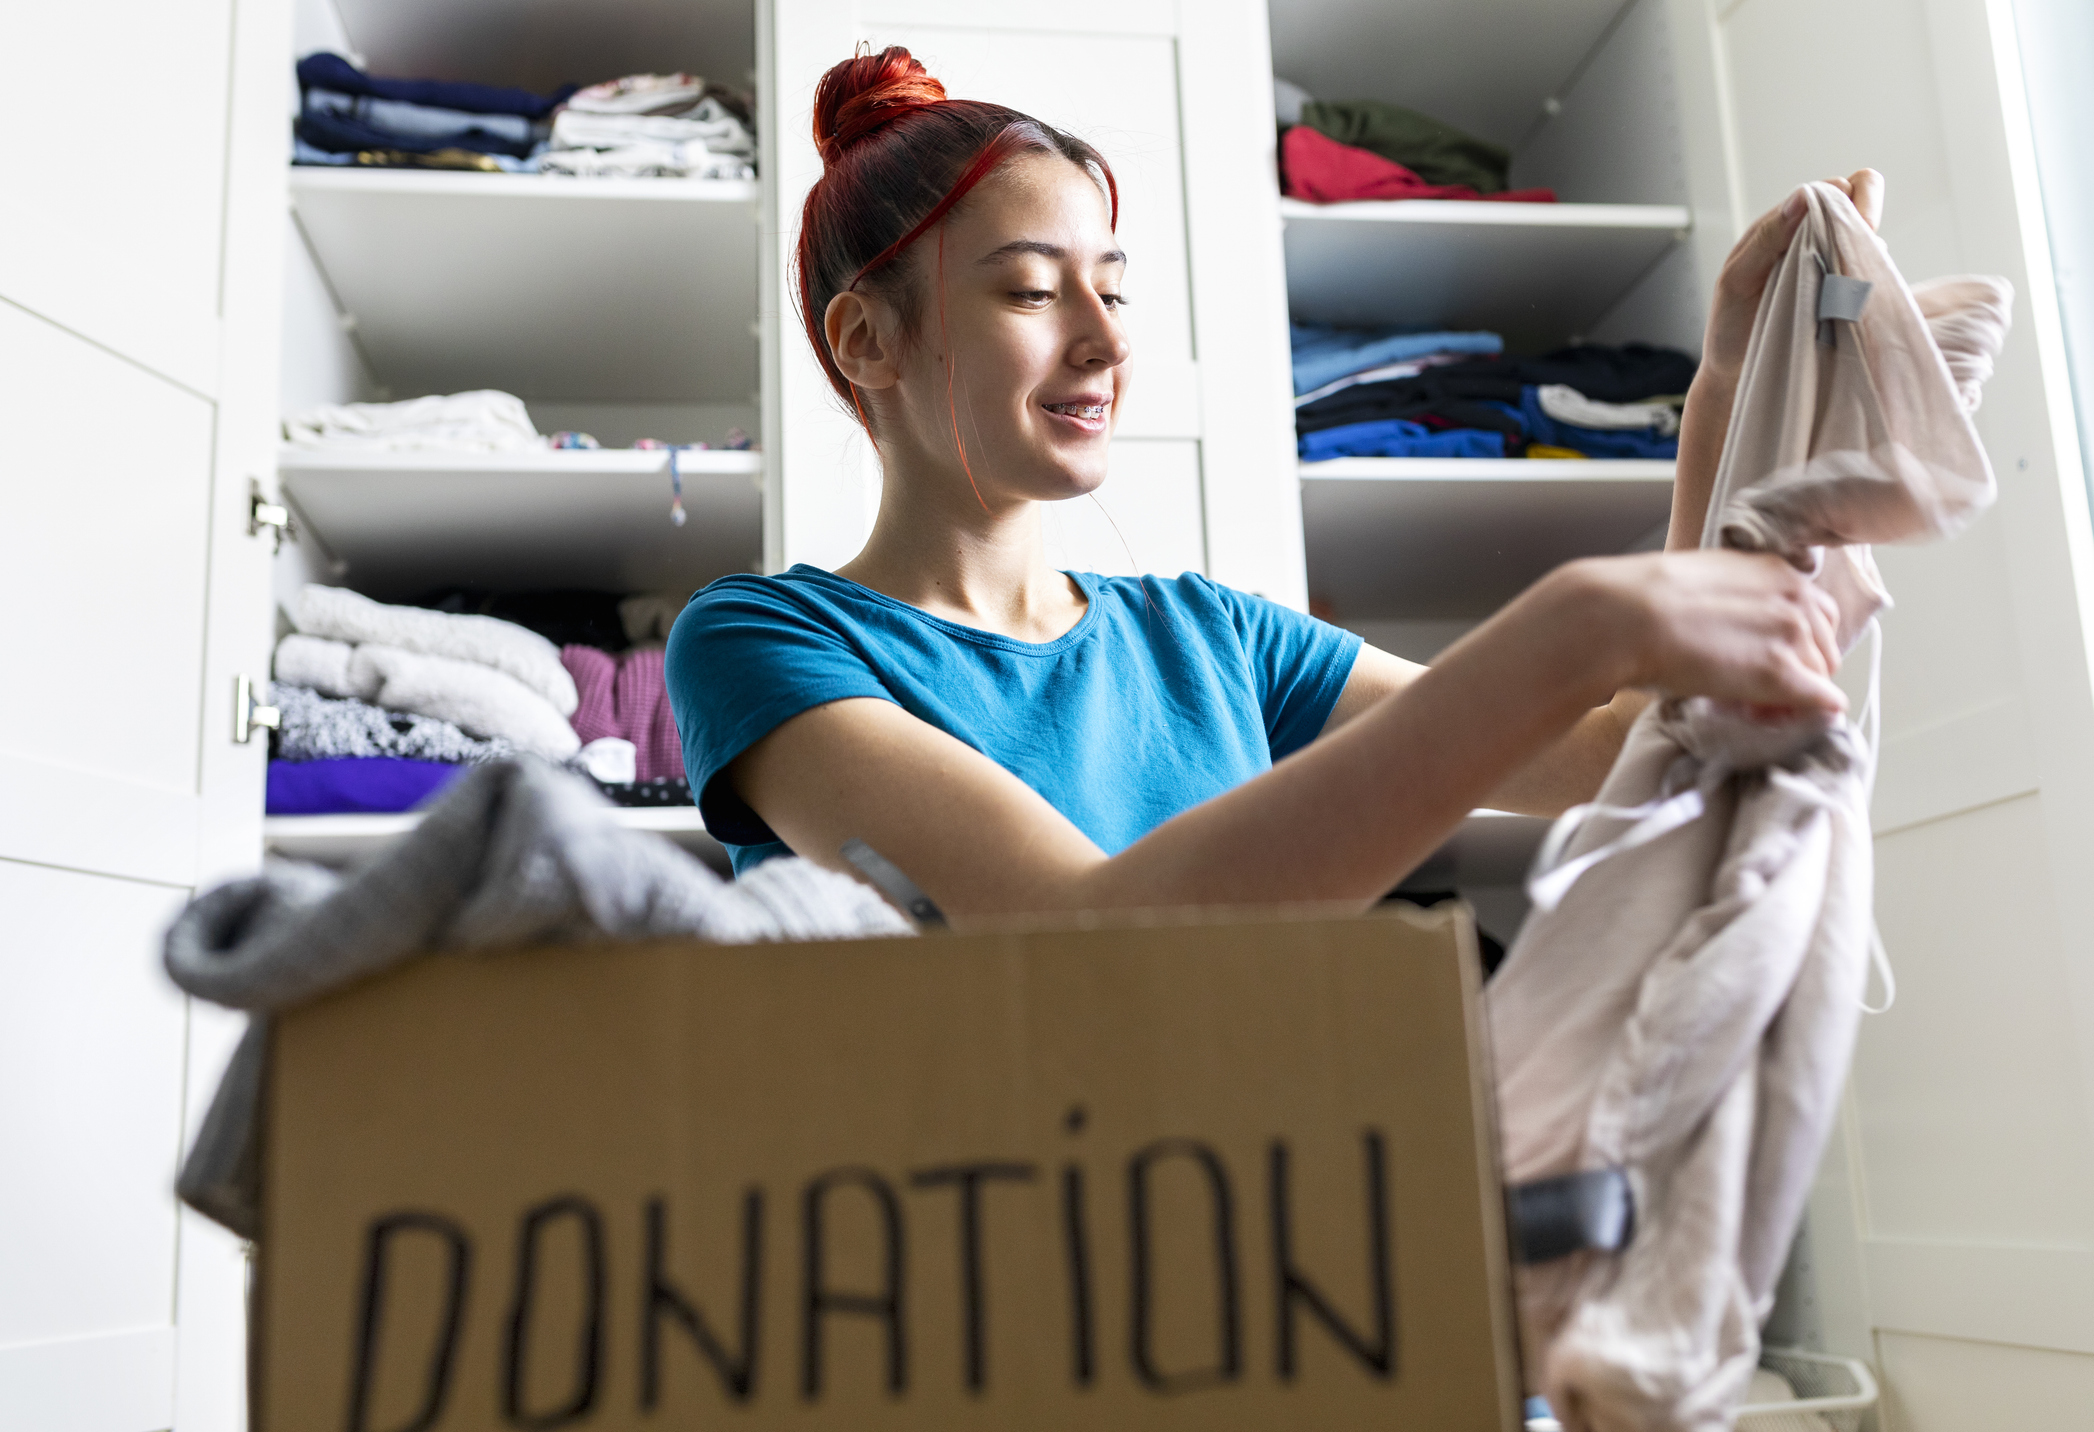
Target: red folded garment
x: 1323, y: 171
x: 626, y: 696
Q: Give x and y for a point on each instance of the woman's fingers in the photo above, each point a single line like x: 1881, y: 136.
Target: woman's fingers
x: 1761, y: 249
x: 1739, y: 627
x: 1807, y: 652
x: 1739, y: 285
x: 1745, y: 272
x: 1823, y: 613
x: 1865, y: 188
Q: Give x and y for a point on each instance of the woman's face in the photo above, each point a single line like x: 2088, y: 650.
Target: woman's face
x: 1028, y: 355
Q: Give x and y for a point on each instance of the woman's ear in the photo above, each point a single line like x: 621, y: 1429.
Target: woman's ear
x: 860, y: 328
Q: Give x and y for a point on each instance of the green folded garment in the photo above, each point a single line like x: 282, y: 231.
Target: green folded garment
x: 1437, y: 153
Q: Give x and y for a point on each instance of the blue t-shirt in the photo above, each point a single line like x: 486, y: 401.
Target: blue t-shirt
x: 1164, y: 694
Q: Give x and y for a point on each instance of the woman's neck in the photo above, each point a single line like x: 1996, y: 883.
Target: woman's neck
x: 956, y: 560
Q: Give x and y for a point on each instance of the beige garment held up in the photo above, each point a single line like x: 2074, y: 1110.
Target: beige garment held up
x: 1682, y: 1003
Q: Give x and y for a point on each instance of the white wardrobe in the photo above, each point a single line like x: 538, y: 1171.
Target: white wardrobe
x: 166, y: 298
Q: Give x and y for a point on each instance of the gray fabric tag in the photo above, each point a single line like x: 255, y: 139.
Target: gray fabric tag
x: 1842, y: 297
x: 1840, y: 300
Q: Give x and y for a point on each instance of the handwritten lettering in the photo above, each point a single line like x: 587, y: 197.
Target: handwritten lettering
x: 737, y: 1372
x: 562, y: 1244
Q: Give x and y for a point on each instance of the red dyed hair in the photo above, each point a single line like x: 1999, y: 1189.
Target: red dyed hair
x: 897, y: 155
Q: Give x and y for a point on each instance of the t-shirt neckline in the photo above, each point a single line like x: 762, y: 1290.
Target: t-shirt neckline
x: 1087, y: 581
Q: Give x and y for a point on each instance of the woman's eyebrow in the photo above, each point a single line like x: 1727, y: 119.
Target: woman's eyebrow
x: 1045, y: 250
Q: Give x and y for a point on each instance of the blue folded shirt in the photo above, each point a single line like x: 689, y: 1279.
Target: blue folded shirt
x: 422, y: 121
x: 1399, y: 437
x: 344, y: 130
x: 1323, y: 354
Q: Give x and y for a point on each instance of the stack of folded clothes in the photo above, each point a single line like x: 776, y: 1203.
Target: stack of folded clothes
x: 639, y: 126
x: 643, y: 126
x: 331, y: 756
x: 1333, y: 151
x: 380, y: 707
x: 347, y: 117
x: 612, y: 647
x: 1588, y: 401
x: 483, y: 688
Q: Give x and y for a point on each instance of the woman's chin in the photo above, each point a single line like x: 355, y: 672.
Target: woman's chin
x: 1053, y: 475
x: 1064, y: 484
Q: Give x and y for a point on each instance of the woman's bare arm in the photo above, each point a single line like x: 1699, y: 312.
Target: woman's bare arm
x: 1346, y: 818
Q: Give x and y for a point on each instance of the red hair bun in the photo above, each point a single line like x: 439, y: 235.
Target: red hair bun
x: 866, y: 92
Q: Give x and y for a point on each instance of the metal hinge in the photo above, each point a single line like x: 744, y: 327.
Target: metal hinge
x: 249, y: 714
x: 274, y: 516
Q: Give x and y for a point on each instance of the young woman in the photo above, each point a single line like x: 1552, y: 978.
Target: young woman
x: 1021, y: 739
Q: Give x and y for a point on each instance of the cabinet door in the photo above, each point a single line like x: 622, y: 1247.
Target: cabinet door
x: 1202, y: 476
x: 137, y: 336
x: 1962, y: 1184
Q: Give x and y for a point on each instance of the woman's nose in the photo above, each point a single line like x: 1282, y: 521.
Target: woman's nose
x: 1102, y: 343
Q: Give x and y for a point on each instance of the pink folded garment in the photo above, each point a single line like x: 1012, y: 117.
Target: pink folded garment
x: 1323, y: 171
x: 626, y: 696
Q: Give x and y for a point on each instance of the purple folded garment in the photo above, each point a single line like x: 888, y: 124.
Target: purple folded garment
x: 626, y: 696
x: 380, y: 784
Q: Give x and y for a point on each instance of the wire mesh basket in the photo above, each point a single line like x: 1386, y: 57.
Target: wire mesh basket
x: 1833, y: 1394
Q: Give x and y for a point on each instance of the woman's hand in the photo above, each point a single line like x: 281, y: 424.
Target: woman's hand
x: 1745, y: 272
x: 1736, y: 626
x: 1731, y: 312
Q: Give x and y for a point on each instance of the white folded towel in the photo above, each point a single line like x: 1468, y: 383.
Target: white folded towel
x: 478, y: 699
x: 349, y: 616
x: 318, y: 663
x: 484, y: 420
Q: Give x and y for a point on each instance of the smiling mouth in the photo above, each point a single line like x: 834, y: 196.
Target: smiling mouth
x: 1090, y: 411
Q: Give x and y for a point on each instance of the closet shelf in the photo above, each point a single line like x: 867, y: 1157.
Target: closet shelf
x: 1457, y: 538
x: 627, y: 290
x: 405, y: 523
x: 1537, y: 273
x: 344, y: 839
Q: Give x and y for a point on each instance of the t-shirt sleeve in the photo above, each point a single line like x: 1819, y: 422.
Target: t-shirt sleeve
x: 1300, y: 664
x: 741, y: 662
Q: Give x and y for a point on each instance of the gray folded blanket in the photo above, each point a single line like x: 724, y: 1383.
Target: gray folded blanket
x: 516, y: 853
x: 312, y: 727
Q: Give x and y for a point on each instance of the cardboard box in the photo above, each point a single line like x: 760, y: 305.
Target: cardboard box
x: 1205, y: 1175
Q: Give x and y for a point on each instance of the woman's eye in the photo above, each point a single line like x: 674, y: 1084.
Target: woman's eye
x: 1113, y: 300
x: 1036, y: 295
